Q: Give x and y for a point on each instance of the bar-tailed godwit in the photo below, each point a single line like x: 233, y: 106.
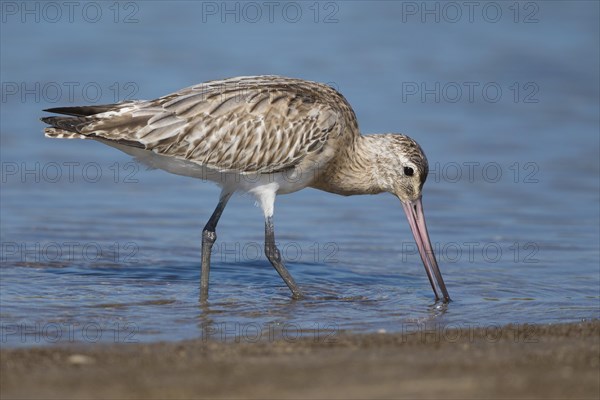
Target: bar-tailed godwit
x: 264, y: 135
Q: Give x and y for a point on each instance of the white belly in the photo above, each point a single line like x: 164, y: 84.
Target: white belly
x: 280, y: 182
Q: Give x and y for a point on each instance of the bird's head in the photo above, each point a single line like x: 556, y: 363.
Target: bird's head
x: 409, y: 167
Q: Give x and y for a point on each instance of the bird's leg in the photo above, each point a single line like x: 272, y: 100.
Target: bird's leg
x: 209, y: 236
x: 274, y: 256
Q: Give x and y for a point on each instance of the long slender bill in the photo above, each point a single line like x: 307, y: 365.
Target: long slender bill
x: 416, y: 219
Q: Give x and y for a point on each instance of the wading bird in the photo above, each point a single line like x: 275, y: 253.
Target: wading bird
x: 286, y: 134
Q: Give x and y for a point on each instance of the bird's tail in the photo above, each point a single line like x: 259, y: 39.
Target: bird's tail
x: 71, y: 126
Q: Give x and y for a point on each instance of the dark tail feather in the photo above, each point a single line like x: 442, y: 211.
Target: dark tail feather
x: 84, y: 111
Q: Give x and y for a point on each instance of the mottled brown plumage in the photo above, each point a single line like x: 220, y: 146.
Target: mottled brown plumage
x: 247, y: 125
x: 289, y: 132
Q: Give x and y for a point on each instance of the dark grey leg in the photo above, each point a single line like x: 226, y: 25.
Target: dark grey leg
x: 209, y: 236
x: 274, y: 256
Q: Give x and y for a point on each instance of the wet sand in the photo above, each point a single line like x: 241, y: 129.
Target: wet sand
x: 525, y: 362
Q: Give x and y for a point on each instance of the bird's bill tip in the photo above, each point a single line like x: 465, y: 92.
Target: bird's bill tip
x: 416, y: 220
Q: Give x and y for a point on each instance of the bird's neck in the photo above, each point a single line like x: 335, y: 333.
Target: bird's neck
x: 354, y: 169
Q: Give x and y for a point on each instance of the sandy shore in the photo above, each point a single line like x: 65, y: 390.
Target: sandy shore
x: 550, y: 362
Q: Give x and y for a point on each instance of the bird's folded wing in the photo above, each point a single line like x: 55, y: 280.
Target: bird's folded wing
x: 230, y: 125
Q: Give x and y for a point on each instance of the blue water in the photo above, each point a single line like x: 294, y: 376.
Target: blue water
x: 96, y: 248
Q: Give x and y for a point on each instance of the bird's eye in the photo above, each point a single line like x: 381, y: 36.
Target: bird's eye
x: 408, y: 171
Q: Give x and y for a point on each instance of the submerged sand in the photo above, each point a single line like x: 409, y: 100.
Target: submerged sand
x: 525, y: 362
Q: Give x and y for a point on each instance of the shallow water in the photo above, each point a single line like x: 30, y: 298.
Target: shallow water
x: 96, y: 248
